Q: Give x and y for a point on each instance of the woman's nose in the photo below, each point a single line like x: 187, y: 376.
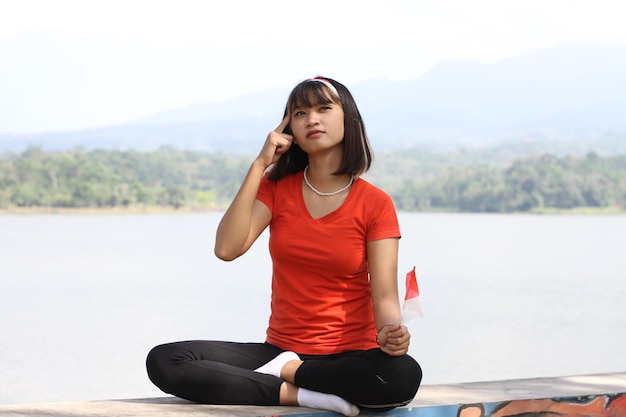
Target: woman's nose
x: 312, y: 119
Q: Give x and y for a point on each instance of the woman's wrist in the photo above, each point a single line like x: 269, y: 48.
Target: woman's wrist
x: 259, y: 163
x: 381, y: 329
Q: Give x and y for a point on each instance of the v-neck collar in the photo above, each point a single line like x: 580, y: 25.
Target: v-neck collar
x: 333, y: 213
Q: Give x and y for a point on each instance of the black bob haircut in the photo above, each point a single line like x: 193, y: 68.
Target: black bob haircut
x: 357, y: 155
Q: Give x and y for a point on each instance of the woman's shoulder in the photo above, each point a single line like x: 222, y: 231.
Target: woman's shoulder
x: 287, y: 179
x: 371, y: 197
x: 370, y: 189
x: 285, y: 185
x: 378, y: 210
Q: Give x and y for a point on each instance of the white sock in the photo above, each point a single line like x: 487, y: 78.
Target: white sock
x: 274, y: 366
x: 330, y: 402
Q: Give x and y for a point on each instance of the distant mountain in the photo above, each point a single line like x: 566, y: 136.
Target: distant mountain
x: 572, y: 92
x: 568, y: 91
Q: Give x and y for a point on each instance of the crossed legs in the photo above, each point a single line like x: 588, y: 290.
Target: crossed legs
x: 216, y: 372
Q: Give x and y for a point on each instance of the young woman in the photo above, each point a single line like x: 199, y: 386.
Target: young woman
x: 334, y: 339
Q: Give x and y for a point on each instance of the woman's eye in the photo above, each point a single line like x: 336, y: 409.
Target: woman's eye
x: 298, y: 113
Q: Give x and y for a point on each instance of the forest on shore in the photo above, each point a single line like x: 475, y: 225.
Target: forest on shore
x: 169, y: 178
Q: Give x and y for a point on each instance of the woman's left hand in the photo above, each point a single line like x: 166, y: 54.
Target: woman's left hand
x: 394, y: 339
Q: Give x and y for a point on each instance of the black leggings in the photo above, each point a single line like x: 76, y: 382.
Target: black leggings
x: 214, y: 372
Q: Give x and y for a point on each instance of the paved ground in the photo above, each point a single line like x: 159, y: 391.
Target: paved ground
x: 428, y: 396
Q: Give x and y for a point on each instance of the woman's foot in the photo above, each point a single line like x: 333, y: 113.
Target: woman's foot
x: 330, y: 402
x: 274, y: 366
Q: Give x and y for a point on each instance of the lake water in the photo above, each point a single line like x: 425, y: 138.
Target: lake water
x: 84, y: 297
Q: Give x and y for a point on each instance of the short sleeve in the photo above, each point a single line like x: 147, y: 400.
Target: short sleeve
x: 383, y: 222
x: 266, y: 192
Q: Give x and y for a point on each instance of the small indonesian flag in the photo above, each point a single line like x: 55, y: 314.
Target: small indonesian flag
x: 412, y: 306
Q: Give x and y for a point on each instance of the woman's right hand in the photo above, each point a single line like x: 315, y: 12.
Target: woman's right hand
x: 276, y: 144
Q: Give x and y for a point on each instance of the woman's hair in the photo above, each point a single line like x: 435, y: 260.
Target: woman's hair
x: 357, y: 155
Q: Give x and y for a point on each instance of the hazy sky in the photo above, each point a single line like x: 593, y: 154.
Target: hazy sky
x: 73, y: 64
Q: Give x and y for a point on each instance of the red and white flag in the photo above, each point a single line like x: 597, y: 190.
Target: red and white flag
x: 412, y: 307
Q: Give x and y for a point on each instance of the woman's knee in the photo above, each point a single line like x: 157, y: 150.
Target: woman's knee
x: 157, y: 364
x: 395, y: 383
x: 404, y: 381
x: 411, y: 375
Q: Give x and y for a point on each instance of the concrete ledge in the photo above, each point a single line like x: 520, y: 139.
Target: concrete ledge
x: 521, y: 389
x: 601, y: 395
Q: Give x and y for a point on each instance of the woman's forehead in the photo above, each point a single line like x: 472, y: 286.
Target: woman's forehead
x: 312, y: 99
x: 310, y: 93
x: 312, y: 103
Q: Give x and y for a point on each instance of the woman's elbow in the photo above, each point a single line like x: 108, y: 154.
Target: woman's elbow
x: 226, y: 254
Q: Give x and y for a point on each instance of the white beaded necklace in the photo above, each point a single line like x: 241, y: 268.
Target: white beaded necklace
x: 316, y: 191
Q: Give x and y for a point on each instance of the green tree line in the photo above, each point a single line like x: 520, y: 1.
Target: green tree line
x: 523, y: 185
x: 115, y: 178
x: 202, y: 180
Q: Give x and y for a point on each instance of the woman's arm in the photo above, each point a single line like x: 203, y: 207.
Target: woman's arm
x: 246, y: 217
x: 382, y: 257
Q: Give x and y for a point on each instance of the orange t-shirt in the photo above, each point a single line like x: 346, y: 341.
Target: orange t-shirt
x: 321, y: 302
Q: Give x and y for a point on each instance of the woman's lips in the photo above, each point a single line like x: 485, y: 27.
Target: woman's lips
x: 314, y: 133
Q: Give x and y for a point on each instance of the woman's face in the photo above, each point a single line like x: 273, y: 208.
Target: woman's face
x: 318, y: 127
